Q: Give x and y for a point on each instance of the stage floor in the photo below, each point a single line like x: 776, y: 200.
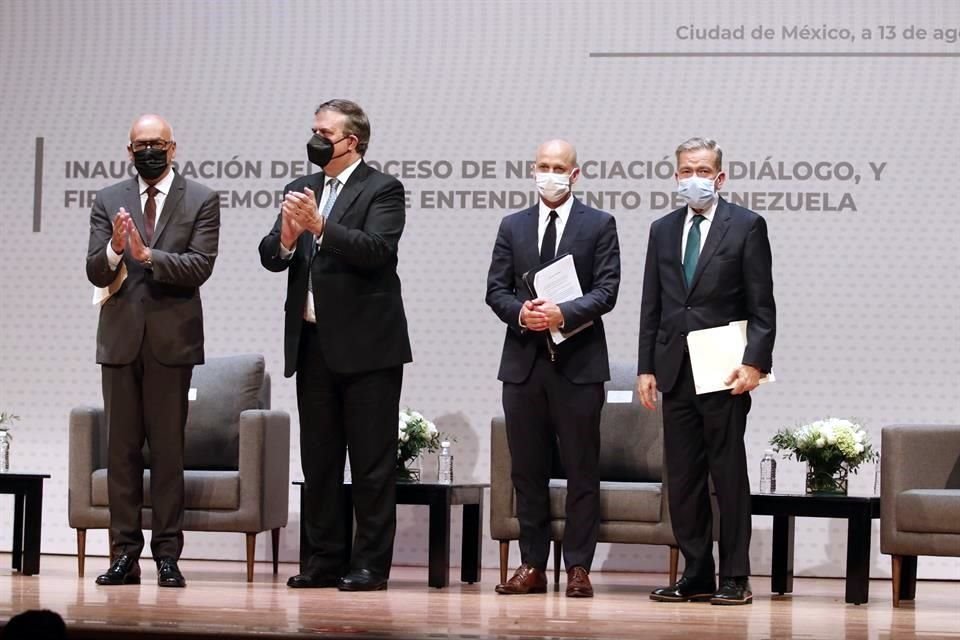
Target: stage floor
x: 218, y: 602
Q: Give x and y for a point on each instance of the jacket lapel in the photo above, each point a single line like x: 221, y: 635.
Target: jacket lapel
x: 718, y: 229
x: 349, y: 192
x: 171, y: 206
x: 529, y: 238
x: 131, y: 202
x: 674, y: 240
x: 571, y: 229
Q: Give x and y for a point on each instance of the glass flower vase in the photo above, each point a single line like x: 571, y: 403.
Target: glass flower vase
x: 827, y: 480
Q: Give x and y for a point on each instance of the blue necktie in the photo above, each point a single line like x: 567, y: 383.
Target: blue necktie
x: 333, y: 183
x: 692, y: 252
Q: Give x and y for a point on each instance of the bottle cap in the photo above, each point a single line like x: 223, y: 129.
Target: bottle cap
x: 445, y: 444
x: 769, y: 452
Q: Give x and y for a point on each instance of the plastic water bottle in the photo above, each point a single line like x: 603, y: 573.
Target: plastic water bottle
x: 768, y: 472
x: 445, y: 464
x: 876, y: 479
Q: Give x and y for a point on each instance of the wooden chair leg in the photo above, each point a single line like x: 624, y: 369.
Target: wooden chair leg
x: 896, y: 565
x: 251, y: 549
x: 557, y: 552
x: 275, y: 541
x: 504, y: 559
x: 81, y: 550
x: 674, y: 561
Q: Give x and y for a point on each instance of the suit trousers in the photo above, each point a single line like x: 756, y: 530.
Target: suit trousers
x: 145, y: 401
x: 703, y: 435
x: 340, y: 411
x: 544, y: 412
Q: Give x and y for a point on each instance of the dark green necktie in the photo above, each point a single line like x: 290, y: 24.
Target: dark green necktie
x: 692, y: 252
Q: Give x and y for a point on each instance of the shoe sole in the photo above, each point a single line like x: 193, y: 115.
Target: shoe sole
x: 382, y: 587
x: 579, y: 594
x: 520, y: 593
x: 726, y: 603
x: 697, y: 597
x: 130, y: 580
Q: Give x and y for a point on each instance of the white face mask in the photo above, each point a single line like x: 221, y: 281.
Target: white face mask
x: 553, y: 186
x: 696, y: 191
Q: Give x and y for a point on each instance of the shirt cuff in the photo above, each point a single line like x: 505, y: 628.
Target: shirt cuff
x: 113, y: 258
x: 286, y: 254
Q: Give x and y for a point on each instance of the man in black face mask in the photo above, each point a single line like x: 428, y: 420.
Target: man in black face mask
x: 153, y: 242
x: 345, y: 336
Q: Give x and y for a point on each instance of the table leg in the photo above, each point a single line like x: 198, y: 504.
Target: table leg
x: 18, y: 531
x: 472, y: 547
x: 781, y: 570
x: 32, y: 515
x: 858, y: 558
x: 439, y: 561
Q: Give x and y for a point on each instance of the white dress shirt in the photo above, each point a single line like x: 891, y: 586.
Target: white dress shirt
x: 704, y: 226
x: 163, y: 188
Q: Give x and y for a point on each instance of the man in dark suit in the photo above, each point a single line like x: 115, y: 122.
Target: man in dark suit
x: 153, y: 242
x: 345, y: 336
x: 553, y: 393
x: 708, y: 264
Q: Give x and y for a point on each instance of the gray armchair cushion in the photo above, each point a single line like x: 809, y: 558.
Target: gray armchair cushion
x: 619, y: 501
x: 929, y: 511
x: 226, y: 386
x: 206, y: 490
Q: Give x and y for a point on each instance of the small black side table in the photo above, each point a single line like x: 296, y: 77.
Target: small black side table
x: 439, y: 497
x: 27, y: 489
x: 857, y: 510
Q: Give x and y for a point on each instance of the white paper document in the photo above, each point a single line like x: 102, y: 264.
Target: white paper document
x: 102, y: 294
x: 558, y: 283
x: 715, y: 353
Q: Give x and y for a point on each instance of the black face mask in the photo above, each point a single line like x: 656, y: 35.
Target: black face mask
x: 150, y: 162
x: 320, y: 150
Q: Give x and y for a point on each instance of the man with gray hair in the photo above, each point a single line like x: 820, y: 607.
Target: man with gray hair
x: 345, y: 336
x: 708, y: 264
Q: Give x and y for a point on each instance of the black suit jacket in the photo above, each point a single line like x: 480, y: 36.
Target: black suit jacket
x: 733, y: 281
x: 163, y: 301
x: 360, y: 317
x: 591, y: 236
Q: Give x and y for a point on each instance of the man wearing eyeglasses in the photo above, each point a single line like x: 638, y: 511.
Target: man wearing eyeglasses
x: 345, y: 336
x: 153, y: 242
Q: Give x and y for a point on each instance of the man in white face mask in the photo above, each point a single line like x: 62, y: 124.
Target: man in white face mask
x: 554, y: 393
x: 708, y: 264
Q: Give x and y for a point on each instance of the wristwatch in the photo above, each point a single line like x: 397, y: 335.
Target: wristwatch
x: 147, y: 264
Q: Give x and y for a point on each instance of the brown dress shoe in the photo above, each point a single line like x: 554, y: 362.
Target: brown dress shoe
x: 578, y: 583
x: 527, y: 579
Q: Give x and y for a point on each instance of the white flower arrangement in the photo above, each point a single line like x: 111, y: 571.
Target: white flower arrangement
x: 414, y: 434
x: 827, y: 444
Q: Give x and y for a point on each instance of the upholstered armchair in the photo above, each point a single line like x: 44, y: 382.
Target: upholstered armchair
x: 633, y: 497
x: 236, y: 456
x: 919, y: 499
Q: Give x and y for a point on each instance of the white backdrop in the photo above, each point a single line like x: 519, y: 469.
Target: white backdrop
x: 838, y: 122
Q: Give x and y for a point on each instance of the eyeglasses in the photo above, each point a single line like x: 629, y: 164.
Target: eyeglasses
x: 140, y: 145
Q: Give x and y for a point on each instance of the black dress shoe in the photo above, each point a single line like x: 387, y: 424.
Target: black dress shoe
x: 362, y: 580
x: 686, y: 590
x: 313, y: 581
x: 733, y: 591
x: 125, y: 570
x: 168, y: 573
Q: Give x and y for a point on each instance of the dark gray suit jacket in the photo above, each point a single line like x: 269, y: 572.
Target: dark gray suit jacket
x: 733, y: 281
x: 590, y: 236
x: 163, y: 301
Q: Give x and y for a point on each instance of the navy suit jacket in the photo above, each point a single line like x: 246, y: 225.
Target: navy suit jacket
x: 733, y: 281
x: 591, y: 237
x: 360, y: 317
